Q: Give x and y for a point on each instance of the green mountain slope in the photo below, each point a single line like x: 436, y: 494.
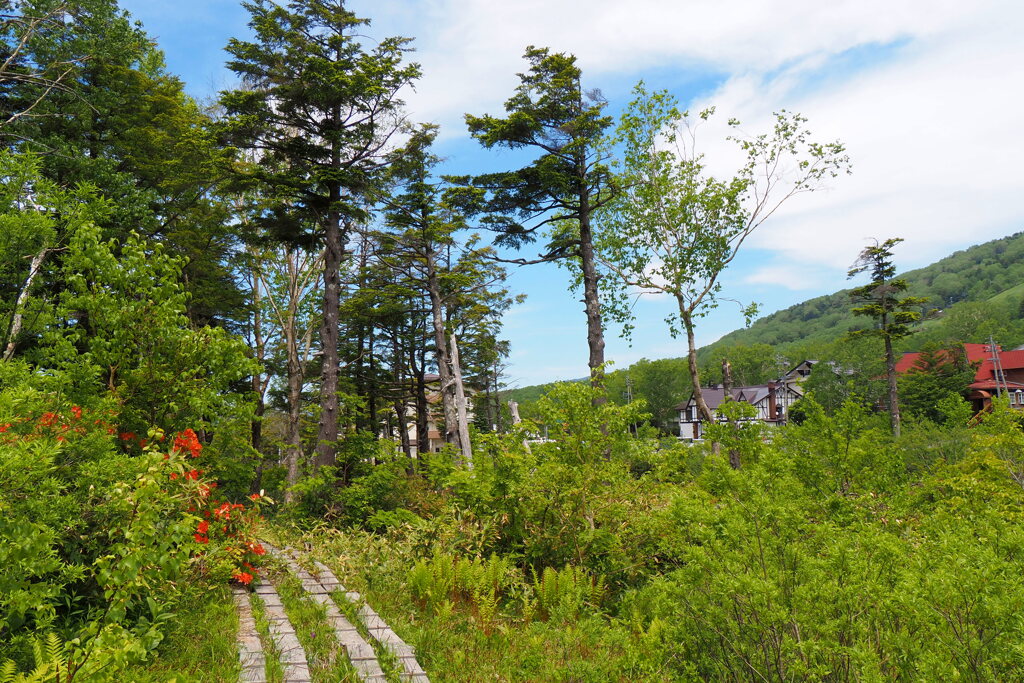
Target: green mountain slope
x: 979, y: 291
x: 993, y: 270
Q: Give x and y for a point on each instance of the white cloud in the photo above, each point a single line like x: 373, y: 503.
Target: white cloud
x: 471, y: 49
x: 933, y: 134
x: 780, y: 276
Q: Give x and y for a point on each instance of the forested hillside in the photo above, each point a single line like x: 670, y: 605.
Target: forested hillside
x: 976, y: 274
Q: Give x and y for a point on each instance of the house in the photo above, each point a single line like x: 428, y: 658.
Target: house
x: 998, y: 372
x: 772, y: 400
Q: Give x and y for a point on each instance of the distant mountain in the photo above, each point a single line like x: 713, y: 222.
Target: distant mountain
x: 991, y: 272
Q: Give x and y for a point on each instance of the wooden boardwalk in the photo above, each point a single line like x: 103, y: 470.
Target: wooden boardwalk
x: 322, y: 587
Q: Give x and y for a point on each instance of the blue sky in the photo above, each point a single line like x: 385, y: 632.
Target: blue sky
x: 928, y: 96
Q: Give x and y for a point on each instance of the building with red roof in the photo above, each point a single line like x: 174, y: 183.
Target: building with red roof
x: 990, y: 379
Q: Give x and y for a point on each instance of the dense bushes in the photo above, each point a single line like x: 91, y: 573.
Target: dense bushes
x: 835, y: 553
x: 97, y: 527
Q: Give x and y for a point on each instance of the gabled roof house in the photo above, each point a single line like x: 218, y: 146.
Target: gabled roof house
x: 772, y: 400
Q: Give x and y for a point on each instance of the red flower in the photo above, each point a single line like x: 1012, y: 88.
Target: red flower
x: 257, y: 548
x: 5, y: 427
x: 193, y: 475
x: 77, y: 412
x: 127, y: 436
x: 243, y: 577
x: 203, y: 527
x: 254, y: 496
x: 200, y: 538
x: 188, y: 441
x: 174, y: 475
x: 48, y: 419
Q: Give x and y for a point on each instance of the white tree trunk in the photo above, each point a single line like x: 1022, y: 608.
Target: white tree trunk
x: 460, y: 405
x: 19, y: 307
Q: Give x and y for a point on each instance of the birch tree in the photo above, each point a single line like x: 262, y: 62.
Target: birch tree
x: 677, y: 227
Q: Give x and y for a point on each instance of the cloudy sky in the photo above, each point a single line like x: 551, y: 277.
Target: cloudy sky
x: 927, y: 95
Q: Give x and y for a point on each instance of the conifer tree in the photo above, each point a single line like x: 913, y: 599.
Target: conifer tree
x: 320, y: 109
x: 550, y: 112
x: 883, y: 300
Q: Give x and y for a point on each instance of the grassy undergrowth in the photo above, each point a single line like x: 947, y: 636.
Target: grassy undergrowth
x: 453, y: 643
x: 200, y: 643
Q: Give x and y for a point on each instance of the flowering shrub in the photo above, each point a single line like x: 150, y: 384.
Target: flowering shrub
x: 94, y: 535
x: 225, y: 535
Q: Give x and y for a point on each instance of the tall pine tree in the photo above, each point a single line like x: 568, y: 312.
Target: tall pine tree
x: 552, y: 114
x: 319, y: 109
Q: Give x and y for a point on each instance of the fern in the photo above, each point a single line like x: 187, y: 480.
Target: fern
x: 48, y: 655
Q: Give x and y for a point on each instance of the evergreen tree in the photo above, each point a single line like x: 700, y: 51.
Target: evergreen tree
x: 883, y: 300
x: 550, y: 112
x: 320, y: 110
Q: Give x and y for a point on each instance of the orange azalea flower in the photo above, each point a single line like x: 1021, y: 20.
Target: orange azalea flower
x: 188, y: 441
x: 243, y: 577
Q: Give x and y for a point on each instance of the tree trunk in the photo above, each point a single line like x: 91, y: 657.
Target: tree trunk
x: 734, y: 455
x: 460, y: 405
x: 444, y: 368
x: 894, y: 401
x: 294, y: 369
x: 371, y: 389
x: 591, y: 302
x: 691, y: 357
x: 422, y: 411
x: 19, y: 306
x: 334, y: 243
x: 258, y: 386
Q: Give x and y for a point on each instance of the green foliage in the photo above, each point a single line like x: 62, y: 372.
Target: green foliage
x: 582, y: 432
x: 551, y: 114
x: 939, y: 376
x: 93, y: 540
x: 882, y: 298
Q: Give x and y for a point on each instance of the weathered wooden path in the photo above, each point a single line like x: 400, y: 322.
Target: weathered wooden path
x: 322, y: 587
